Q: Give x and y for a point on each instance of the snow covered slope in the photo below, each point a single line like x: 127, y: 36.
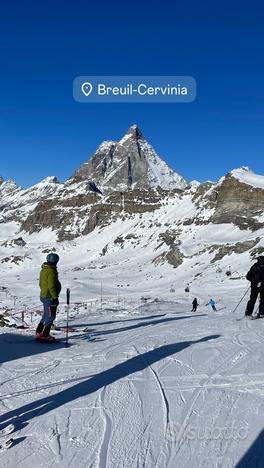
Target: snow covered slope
x: 158, y: 387
x: 135, y: 254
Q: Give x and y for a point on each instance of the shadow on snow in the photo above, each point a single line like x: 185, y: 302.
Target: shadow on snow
x: 254, y: 457
x: 145, y: 324
x: 134, y: 327
x: 110, y: 322
x: 101, y: 380
x: 14, y: 346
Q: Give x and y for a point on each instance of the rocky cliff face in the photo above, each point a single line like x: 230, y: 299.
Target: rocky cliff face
x: 80, y: 214
x: 238, y: 202
x: 237, y: 198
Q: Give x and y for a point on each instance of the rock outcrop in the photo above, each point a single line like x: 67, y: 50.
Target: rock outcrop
x: 238, y: 202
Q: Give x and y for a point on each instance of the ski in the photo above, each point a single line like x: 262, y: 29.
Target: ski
x: 6, y: 444
x: 70, y: 329
x: 7, y: 430
x: 91, y: 338
x: 43, y: 340
x: 74, y: 330
x: 248, y: 318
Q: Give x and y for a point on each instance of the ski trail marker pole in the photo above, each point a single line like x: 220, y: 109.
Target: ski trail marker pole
x: 68, y: 293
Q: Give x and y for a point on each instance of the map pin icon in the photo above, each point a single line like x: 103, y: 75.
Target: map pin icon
x: 87, y: 88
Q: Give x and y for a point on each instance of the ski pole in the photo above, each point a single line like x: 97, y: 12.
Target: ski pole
x: 258, y: 306
x: 241, y: 300
x: 68, y: 293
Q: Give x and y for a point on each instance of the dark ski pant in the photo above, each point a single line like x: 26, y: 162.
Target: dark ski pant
x: 194, y: 308
x: 252, y: 300
x: 48, y: 317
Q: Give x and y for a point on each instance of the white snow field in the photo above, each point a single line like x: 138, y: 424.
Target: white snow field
x: 159, y: 387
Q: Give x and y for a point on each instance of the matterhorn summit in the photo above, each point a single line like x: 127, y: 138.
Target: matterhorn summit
x: 129, y: 164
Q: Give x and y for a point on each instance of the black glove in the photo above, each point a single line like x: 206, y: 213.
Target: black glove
x: 55, y: 302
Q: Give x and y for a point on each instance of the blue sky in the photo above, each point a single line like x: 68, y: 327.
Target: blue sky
x: 45, y: 45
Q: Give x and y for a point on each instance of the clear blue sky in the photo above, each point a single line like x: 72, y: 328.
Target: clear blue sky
x: 44, y: 45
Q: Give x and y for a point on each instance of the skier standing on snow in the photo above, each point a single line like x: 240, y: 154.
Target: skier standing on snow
x: 194, y: 304
x: 256, y: 276
x: 212, y: 304
x: 50, y: 288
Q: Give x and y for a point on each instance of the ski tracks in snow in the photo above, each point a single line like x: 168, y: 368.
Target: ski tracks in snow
x: 142, y: 417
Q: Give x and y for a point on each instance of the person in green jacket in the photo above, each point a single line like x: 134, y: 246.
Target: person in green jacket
x: 50, y: 288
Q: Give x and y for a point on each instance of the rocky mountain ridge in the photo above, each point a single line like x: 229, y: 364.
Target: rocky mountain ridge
x: 87, y: 201
x: 125, y: 176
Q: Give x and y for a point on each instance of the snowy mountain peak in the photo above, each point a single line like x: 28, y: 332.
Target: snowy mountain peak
x: 246, y: 176
x: 129, y: 164
x: 9, y: 185
x: 240, y: 170
x: 135, y: 132
x: 50, y: 180
x: 132, y: 136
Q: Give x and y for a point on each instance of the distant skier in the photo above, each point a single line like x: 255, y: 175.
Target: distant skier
x: 50, y: 288
x: 195, y: 305
x: 212, y: 304
x: 256, y: 276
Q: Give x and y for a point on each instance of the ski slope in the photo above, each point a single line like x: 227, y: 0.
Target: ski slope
x: 159, y: 387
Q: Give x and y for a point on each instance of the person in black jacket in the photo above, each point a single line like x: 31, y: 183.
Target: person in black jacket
x: 194, y: 304
x: 256, y: 276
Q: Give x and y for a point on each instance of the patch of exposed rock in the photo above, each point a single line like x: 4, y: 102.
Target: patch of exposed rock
x: 228, y: 249
x: 19, y: 242
x: 17, y: 259
x: 169, y: 237
x: 174, y: 257
x: 238, y: 203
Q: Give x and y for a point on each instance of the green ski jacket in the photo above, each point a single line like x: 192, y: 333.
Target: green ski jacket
x: 49, y: 284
